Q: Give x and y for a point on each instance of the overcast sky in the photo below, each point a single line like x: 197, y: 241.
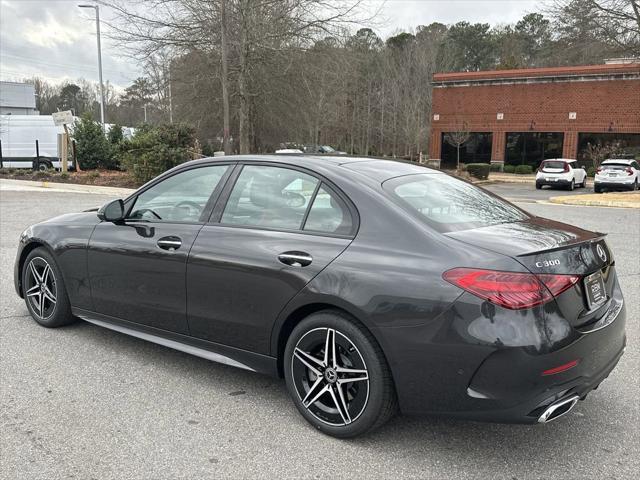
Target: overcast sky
x: 56, y: 40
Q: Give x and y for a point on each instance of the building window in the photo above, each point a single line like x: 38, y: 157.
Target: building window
x: 531, y: 148
x: 475, y: 149
x: 621, y: 145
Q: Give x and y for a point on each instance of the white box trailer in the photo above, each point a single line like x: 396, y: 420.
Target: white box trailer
x: 30, y: 141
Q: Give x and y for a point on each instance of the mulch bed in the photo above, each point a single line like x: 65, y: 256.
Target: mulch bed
x: 105, y: 178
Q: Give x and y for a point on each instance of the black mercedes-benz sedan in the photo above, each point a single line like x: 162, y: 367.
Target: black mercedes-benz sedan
x: 370, y: 285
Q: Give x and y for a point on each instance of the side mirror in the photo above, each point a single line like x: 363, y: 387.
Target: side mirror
x: 112, y: 211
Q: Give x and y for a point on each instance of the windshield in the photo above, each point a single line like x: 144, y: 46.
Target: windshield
x: 448, y: 204
x: 328, y: 149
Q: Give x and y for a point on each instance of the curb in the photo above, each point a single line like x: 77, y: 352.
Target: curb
x: 593, y: 203
x: 29, y: 185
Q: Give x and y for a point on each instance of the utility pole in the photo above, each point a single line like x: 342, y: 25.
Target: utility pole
x: 170, y: 97
x: 97, y: 10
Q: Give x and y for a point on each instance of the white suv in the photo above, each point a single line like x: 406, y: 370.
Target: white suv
x: 615, y: 174
x: 561, y: 172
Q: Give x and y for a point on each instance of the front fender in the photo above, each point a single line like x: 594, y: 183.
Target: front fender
x: 67, y: 239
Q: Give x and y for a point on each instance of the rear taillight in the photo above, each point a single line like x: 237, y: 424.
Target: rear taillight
x: 629, y: 171
x: 511, y: 290
x: 598, y: 170
x: 566, y: 167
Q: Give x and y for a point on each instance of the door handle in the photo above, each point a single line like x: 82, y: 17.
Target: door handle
x: 170, y: 243
x: 295, y: 259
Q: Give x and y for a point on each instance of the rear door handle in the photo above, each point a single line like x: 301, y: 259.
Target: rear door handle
x: 170, y: 243
x: 295, y: 259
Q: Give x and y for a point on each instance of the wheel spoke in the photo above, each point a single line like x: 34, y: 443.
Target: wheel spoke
x: 351, y: 375
x: 45, y: 273
x: 321, y: 392
x: 41, y: 305
x: 330, y: 348
x: 35, y: 290
x: 311, y: 362
x: 48, y: 295
x: 313, y: 391
x: 341, y: 404
x: 34, y: 272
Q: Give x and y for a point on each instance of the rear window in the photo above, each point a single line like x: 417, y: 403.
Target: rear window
x: 615, y: 166
x: 553, y: 165
x: 448, y: 204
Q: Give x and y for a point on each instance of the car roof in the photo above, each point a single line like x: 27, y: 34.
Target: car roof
x: 626, y: 161
x: 378, y: 169
x: 567, y: 160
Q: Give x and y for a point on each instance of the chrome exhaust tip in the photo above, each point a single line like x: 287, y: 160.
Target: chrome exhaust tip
x: 558, y: 409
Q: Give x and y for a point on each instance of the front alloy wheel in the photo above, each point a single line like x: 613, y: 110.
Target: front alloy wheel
x: 44, y: 290
x: 40, y: 288
x: 338, y: 376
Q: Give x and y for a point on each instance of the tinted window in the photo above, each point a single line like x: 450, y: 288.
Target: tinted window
x: 448, y: 204
x: 179, y: 198
x: 548, y: 164
x: 270, y: 197
x: 329, y: 214
x: 615, y: 166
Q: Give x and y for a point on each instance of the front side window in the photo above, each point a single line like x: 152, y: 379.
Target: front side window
x: 448, y: 204
x: 271, y: 197
x: 180, y: 198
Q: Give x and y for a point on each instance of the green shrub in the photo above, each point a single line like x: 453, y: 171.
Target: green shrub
x: 509, y: 169
x: 64, y: 175
x: 523, y: 169
x: 496, y: 167
x: 114, y: 135
x: 92, y: 147
x: 155, y: 149
x: 479, y: 170
x: 591, y: 172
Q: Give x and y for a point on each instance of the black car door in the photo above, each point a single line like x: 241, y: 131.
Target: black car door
x: 137, y: 266
x: 278, y: 228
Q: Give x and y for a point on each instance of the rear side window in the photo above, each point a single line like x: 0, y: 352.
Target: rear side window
x: 328, y: 214
x: 271, y: 197
x: 448, y: 204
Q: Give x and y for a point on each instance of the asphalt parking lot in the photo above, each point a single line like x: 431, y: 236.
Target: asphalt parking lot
x: 526, y: 192
x: 85, y: 402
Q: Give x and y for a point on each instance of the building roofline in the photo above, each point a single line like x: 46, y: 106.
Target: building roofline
x: 581, y: 70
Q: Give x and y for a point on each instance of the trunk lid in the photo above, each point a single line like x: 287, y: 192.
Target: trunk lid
x: 550, y: 247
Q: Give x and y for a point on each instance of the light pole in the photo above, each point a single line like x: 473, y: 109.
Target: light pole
x: 97, y: 10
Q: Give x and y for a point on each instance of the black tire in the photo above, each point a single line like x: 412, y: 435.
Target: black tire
x: 43, y: 164
x: 370, y: 401
x: 596, y: 189
x: 54, y: 310
x: 572, y: 185
x: 538, y: 186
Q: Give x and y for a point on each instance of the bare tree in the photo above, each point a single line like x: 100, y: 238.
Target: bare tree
x: 457, y: 139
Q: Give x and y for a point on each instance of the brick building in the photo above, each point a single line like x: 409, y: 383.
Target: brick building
x: 524, y: 116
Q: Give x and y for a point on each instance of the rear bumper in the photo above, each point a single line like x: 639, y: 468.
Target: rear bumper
x: 559, y: 183
x: 448, y: 368
x: 615, y: 185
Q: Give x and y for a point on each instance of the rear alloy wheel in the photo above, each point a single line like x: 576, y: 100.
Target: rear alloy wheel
x: 572, y: 185
x: 337, y: 376
x: 44, y: 290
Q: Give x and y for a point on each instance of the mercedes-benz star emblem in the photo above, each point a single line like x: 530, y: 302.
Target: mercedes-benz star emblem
x: 330, y: 375
x: 601, y: 253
